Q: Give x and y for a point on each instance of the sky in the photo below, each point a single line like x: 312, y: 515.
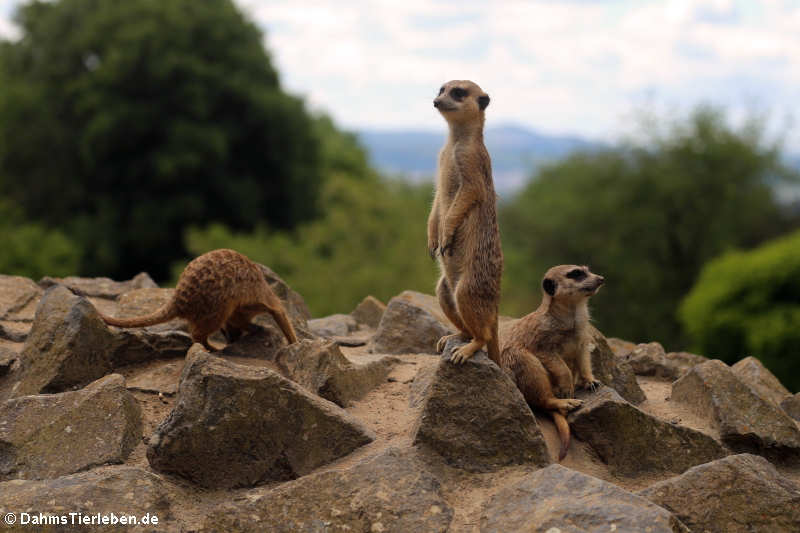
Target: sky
x: 583, y: 67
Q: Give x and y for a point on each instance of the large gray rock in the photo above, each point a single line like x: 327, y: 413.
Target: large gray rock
x: 791, y: 406
x: 69, y: 345
x: 612, y: 372
x: 763, y: 382
x: 651, y: 360
x: 121, y: 490
x: 389, y: 493
x: 18, y: 297
x: 138, y: 345
x: 141, y: 302
x: 746, y: 422
x: 100, y: 287
x: 240, y: 426
x: 47, y: 436
x: 369, y: 312
x: 474, y: 416
x: 337, y: 325
x: 738, y: 494
x: 320, y: 367
x: 557, y: 499
x: 634, y: 443
x: 412, y: 323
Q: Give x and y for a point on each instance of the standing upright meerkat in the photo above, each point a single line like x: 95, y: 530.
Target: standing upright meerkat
x: 548, y: 352
x: 222, y: 289
x: 462, y: 225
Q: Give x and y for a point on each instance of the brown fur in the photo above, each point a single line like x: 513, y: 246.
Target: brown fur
x: 223, y: 290
x: 548, y: 351
x: 462, y: 225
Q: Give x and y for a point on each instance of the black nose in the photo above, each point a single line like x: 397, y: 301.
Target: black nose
x: 601, y: 280
x: 436, y: 104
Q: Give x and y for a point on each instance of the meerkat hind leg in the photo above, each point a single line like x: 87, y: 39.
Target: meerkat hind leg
x: 448, y: 305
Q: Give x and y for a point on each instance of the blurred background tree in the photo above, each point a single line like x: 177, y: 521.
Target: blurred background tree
x: 748, y: 303
x: 647, y: 217
x: 124, y: 122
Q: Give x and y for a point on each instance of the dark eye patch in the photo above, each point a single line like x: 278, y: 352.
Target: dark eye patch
x: 577, y: 274
x: 441, y: 90
x: 458, y: 93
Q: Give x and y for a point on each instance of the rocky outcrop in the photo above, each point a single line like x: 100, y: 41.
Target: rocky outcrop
x: 389, y: 493
x: 474, y: 416
x: 412, y: 323
x: 237, y: 426
x: 18, y: 297
x: 69, y: 345
x: 141, y: 302
x: 620, y: 347
x: 557, y: 499
x: 120, y: 490
x: 634, y: 443
x: 650, y: 359
x: 100, y: 287
x: 47, y: 436
x: 738, y: 494
x: 791, y: 406
x: 745, y: 421
x: 369, y: 312
x: 763, y: 382
x: 8, y: 359
x: 611, y: 372
x: 332, y: 326
x: 320, y: 367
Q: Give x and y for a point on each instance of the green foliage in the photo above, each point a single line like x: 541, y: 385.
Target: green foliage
x: 646, y: 217
x: 748, y: 303
x: 32, y: 250
x: 371, y: 240
x: 128, y: 121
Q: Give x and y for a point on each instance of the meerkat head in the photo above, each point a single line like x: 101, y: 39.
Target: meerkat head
x: 461, y: 101
x: 571, y: 283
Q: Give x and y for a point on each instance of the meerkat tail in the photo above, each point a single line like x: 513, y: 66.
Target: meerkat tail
x: 563, y: 433
x: 167, y: 312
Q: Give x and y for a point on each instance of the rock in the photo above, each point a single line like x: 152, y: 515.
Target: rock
x: 614, y: 373
x: 100, y: 287
x: 620, y: 347
x: 69, y: 345
x: 746, y: 422
x: 738, y: 494
x: 634, y: 443
x: 369, y: 312
x: 14, y: 331
x: 320, y: 367
x: 294, y: 304
x: 18, y: 297
x: 474, y: 416
x: 332, y: 326
x: 791, y: 406
x: 557, y: 499
x: 263, y: 343
x: 239, y: 426
x: 137, y: 345
x: 141, y: 302
x: 763, y: 382
x: 121, y: 490
x: 7, y: 360
x: 412, y: 323
x: 162, y: 379
x: 47, y: 436
x: 651, y: 360
x: 391, y: 492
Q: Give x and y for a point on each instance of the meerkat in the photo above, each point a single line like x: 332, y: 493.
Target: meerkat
x: 219, y: 290
x: 548, y: 352
x: 462, y: 225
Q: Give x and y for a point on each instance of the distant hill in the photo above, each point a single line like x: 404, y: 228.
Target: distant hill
x: 516, y: 152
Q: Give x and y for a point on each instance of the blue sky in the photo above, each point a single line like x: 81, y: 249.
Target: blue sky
x: 572, y: 66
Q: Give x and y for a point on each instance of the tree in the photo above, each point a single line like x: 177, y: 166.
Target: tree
x: 647, y: 217
x: 123, y: 122
x: 748, y: 303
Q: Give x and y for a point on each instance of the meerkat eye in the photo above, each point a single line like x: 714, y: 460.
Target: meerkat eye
x: 458, y: 93
x: 577, y: 274
x: 441, y: 89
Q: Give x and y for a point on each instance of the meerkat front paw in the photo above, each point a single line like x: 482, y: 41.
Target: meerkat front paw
x: 446, y: 244
x: 568, y: 404
x: 433, y: 246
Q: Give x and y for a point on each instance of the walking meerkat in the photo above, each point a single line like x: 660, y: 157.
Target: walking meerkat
x: 548, y: 352
x: 221, y: 289
x: 462, y: 225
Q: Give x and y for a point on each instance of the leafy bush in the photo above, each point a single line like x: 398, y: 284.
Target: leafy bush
x: 748, y: 303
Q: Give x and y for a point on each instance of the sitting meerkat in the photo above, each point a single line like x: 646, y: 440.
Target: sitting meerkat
x: 548, y: 352
x: 221, y: 289
x: 462, y: 225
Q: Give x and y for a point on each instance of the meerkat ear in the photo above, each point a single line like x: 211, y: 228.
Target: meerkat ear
x: 483, y: 101
x: 549, y: 286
